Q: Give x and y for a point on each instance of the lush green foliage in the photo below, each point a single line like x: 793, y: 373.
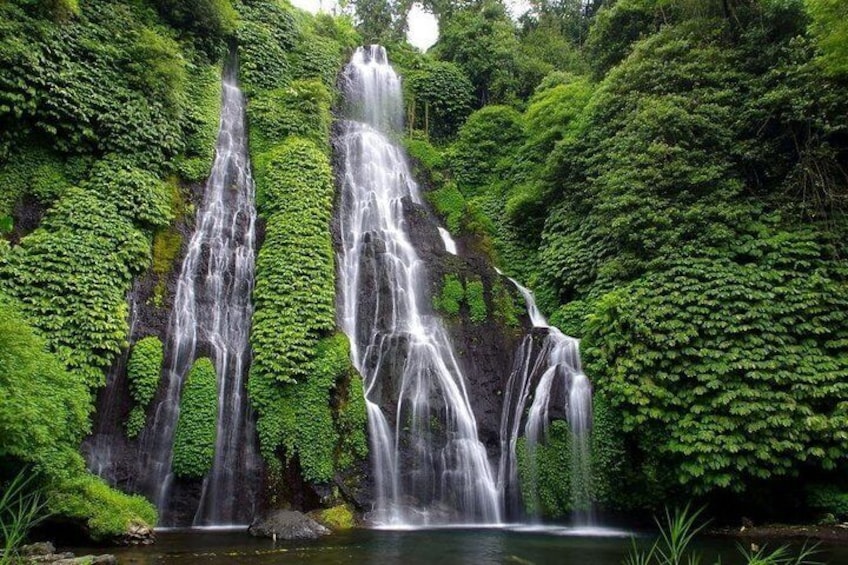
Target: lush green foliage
x: 208, y: 22
x: 34, y: 171
x: 138, y: 195
x: 298, y: 417
x: 194, y: 438
x: 476, y: 301
x: 144, y: 369
x: 44, y: 415
x: 830, y: 28
x: 71, y: 276
x: 85, y: 86
x: 450, y: 296
x: 504, y: 307
x: 439, y: 97
x: 544, y: 472
x: 485, y: 145
x: 299, y: 109
x: 455, y: 294
x: 294, y: 298
x: 299, y: 365
x: 681, y: 209
x: 200, y: 122
x: 265, y: 33
x: 483, y: 43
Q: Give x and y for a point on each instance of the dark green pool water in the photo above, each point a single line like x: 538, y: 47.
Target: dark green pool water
x: 436, y: 547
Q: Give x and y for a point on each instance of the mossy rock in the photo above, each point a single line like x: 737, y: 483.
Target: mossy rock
x: 337, y: 518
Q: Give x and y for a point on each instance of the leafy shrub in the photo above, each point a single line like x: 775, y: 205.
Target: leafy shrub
x: 450, y: 296
x: 299, y: 109
x: 450, y: 205
x: 137, y: 194
x: 481, y: 40
x: 831, y: 32
x: 266, y: 32
x: 439, y: 98
x: 294, y: 297
x: 105, y: 511
x: 86, y: 87
x: 72, y: 275
x: 194, y: 438
x: 616, y: 28
x: 298, y: 417
x: 44, y: 411
x: 31, y: 170
x: 490, y: 135
x: 476, y: 301
x: 144, y: 369
x: 745, y: 363
x: 200, y: 122
x: 208, y: 22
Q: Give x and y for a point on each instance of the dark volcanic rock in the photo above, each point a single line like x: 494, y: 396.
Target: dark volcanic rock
x: 485, y: 350
x: 289, y: 525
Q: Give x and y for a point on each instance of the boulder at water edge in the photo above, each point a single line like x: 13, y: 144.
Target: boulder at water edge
x: 287, y: 524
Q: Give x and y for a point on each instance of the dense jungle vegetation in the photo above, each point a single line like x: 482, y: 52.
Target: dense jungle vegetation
x: 109, y: 114
x: 669, y: 176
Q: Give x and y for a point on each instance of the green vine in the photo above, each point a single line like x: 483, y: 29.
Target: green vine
x: 194, y: 438
x: 144, y: 369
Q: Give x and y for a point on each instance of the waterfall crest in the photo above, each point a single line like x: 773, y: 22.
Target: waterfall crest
x: 211, y: 317
x: 415, y: 391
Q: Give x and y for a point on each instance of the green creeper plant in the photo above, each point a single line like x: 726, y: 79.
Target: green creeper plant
x: 144, y: 369
x: 194, y: 438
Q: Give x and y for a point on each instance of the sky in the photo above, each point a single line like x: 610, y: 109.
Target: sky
x: 423, y: 27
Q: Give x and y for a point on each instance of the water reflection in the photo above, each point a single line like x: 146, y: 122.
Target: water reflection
x: 523, y: 546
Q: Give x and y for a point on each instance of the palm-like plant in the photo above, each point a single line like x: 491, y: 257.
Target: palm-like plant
x: 680, y: 528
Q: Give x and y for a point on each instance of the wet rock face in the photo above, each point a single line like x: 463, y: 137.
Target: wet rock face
x: 485, y: 350
x: 287, y: 525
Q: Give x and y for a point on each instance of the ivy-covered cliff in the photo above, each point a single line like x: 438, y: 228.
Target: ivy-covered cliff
x: 109, y: 114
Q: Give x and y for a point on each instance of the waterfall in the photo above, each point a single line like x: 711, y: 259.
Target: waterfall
x: 448, y: 241
x: 211, y: 317
x: 101, y: 447
x: 558, y: 363
x: 428, y: 463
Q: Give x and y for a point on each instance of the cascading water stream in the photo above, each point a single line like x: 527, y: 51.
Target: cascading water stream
x: 557, y: 360
x: 211, y: 316
x: 429, y: 465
